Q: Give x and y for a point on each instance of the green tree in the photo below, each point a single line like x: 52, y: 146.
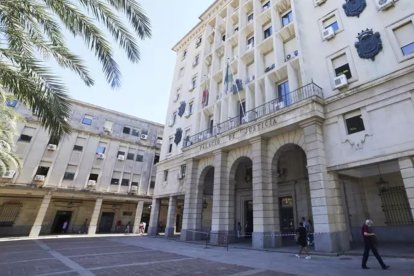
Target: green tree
x: 30, y: 33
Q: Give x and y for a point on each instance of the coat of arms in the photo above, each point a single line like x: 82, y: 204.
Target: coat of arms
x: 369, y: 44
x: 354, y: 7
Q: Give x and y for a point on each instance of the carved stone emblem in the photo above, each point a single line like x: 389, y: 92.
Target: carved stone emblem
x: 354, y: 7
x: 181, y: 109
x: 369, y: 44
x: 178, y: 136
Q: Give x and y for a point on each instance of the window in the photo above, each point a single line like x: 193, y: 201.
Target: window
x: 211, y: 124
x: 134, y: 184
x: 193, y: 82
x: 223, y: 37
x: 11, y: 103
x: 283, y: 92
x: 190, y: 108
x: 250, y: 41
x: 236, y: 28
x: 93, y: 176
x: 9, y: 213
x: 121, y: 153
x: 268, y: 32
x: 130, y: 156
x: 331, y: 22
x: 196, y: 59
x: 181, y: 73
x: 114, y: 181
x: 183, y: 169
x: 170, y: 144
x: 53, y: 141
x: 69, y: 176
x: 126, y: 130
x: 341, y: 66
x: 287, y: 18
x: 87, y: 120
x: 25, y: 138
x: 266, y: 5
x: 108, y: 126
x: 139, y: 158
x: 135, y: 132
x: 41, y: 170
x: 125, y: 182
x: 165, y: 175
x: 77, y: 148
x: 184, y: 54
x: 395, y: 204
x: 354, y: 122
x: 405, y: 38
x: 156, y: 159
x: 100, y: 149
x: 242, y: 110
x: 198, y: 42
x: 250, y: 17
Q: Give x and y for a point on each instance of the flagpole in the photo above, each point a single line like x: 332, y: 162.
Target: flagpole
x: 237, y: 89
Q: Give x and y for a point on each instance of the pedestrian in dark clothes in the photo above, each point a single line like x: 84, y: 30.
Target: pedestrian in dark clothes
x: 301, y: 239
x: 370, y: 243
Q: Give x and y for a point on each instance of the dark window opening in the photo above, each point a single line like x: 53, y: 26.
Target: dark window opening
x: 114, y: 181
x: 287, y: 18
x: 130, y: 156
x: 135, y: 132
x: 126, y: 130
x: 355, y: 124
x: 152, y: 184
x: 157, y: 158
x: 268, y: 32
x: 77, y: 148
x: 25, y: 138
x: 139, y: 158
x: 121, y: 153
x: 42, y: 170
x: 134, y: 184
x: 343, y: 70
x: 93, y: 176
x: 68, y: 176
x: 125, y: 182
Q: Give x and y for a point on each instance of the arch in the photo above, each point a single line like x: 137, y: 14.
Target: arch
x: 205, y: 194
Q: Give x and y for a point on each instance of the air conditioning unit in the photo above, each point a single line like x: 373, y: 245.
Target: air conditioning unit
x: 91, y: 183
x: 9, y: 174
x: 384, y: 4
x: 134, y: 189
x: 340, y: 81
x: 328, y: 33
x: 121, y: 157
x: 144, y: 136
x: 39, y: 178
x: 292, y: 55
x: 100, y: 155
x: 319, y: 2
x: 107, y: 130
x: 51, y: 147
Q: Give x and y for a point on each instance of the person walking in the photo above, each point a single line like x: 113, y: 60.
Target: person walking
x: 65, y: 227
x: 301, y: 235
x: 127, y: 227
x: 370, y: 243
x: 84, y: 227
x: 310, y: 231
x: 239, y: 228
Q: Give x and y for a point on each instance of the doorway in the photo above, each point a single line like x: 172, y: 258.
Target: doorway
x: 286, y: 215
x: 248, y: 218
x: 60, y: 218
x: 107, y: 220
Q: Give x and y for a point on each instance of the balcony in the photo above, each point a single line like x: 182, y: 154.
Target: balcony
x: 289, y: 99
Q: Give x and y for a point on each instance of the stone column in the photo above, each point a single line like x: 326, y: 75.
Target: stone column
x: 95, y: 217
x: 263, y: 207
x: 326, y: 197
x: 223, y: 201
x: 138, y: 215
x: 407, y: 173
x: 193, y: 206
x: 170, y: 225
x: 155, y: 213
x: 37, y: 225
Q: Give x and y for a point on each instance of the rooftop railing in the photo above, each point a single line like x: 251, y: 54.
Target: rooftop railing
x: 283, y: 101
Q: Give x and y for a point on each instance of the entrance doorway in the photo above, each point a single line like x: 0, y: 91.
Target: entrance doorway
x: 286, y: 215
x: 248, y: 218
x: 107, y: 220
x: 60, y: 218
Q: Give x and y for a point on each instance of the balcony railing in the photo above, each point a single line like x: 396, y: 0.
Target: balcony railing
x: 275, y: 105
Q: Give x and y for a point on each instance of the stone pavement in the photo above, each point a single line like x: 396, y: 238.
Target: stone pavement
x: 159, y: 256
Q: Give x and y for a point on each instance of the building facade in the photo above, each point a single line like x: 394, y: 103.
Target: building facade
x: 285, y: 109
x: 95, y: 180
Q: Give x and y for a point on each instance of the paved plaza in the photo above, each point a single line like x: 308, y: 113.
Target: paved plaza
x: 158, y: 256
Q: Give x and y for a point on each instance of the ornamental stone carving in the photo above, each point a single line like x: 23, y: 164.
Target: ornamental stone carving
x: 354, y: 7
x: 369, y: 44
x: 181, y: 109
x: 178, y: 136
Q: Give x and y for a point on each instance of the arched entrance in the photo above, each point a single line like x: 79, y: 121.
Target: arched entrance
x: 206, y: 188
x: 241, y: 183
x: 290, y: 174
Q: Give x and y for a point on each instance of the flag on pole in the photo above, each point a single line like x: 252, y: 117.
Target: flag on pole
x: 228, y: 79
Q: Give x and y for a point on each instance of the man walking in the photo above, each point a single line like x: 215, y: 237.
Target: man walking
x: 370, y: 243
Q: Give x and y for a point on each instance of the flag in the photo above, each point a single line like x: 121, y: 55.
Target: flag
x: 205, y: 94
x: 228, y: 80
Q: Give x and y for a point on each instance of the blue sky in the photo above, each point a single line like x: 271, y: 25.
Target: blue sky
x: 145, y: 86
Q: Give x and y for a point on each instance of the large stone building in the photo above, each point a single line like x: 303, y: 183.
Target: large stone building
x: 285, y: 109
x: 102, y: 173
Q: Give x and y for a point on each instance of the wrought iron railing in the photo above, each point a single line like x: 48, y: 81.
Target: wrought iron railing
x: 288, y: 99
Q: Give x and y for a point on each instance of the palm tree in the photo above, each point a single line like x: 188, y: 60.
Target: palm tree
x: 8, y: 118
x: 30, y: 34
